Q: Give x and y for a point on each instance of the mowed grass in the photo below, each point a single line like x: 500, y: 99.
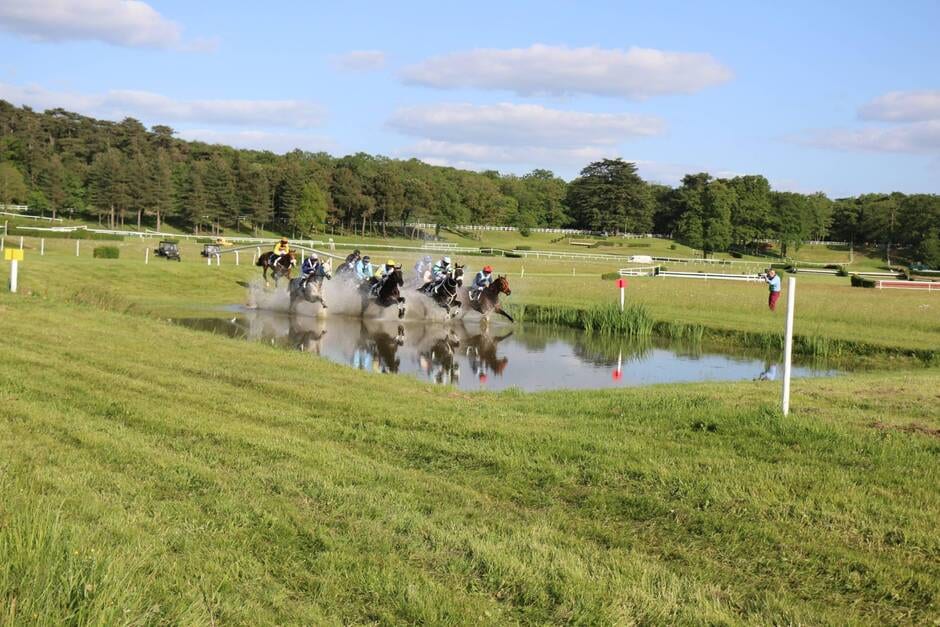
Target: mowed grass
x: 153, y: 474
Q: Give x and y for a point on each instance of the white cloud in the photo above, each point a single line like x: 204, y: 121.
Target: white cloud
x: 635, y: 73
x: 260, y: 140
x: 163, y: 109
x: 917, y: 137
x: 129, y: 23
x: 520, y: 125
x: 359, y: 60
x: 903, y: 106
x: 472, y: 155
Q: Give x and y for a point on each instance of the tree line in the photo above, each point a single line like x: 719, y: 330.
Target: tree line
x: 121, y: 174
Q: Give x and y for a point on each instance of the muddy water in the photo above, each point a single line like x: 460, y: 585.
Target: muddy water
x: 501, y: 356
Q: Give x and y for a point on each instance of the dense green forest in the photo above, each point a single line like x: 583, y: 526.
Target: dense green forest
x: 122, y: 174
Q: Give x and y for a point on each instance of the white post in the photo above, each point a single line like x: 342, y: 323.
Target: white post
x: 42, y: 247
x: 147, y: 255
x: 2, y: 241
x: 208, y: 260
x: 522, y: 273
x: 5, y: 226
x: 78, y: 243
x: 13, y: 271
x: 236, y: 257
x: 622, y: 290
x: 218, y: 259
x: 21, y: 242
x: 788, y: 344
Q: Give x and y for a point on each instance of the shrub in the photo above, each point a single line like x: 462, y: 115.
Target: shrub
x: 106, y: 252
x: 644, y: 245
x: 736, y: 254
x: 513, y: 255
x: 610, y: 276
x: 523, y: 248
x: 672, y: 246
x: 524, y: 231
x: 842, y: 271
x: 860, y: 281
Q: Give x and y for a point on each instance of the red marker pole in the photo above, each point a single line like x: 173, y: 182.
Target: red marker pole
x: 618, y: 373
x: 622, y: 284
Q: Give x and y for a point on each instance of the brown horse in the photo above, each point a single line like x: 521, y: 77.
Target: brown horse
x: 279, y: 265
x: 488, y: 300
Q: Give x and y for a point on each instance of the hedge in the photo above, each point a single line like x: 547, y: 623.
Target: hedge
x: 106, y: 252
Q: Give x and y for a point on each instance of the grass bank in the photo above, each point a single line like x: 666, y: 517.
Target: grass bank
x: 153, y: 474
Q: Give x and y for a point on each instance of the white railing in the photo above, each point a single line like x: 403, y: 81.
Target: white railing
x: 924, y: 286
x: 20, y: 215
x: 711, y: 276
x: 639, y: 271
x: 17, y: 208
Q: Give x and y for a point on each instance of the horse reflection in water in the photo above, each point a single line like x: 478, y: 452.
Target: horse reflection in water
x: 437, y: 357
x: 483, y: 354
x: 377, y: 348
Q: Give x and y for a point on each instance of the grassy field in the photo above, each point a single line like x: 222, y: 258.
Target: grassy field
x: 153, y: 474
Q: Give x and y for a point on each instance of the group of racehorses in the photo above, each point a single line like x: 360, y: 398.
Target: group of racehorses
x: 448, y: 293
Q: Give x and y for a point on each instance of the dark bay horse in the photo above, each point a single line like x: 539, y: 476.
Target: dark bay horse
x: 387, y: 294
x: 279, y: 265
x: 445, y: 292
x: 311, y: 289
x: 488, y: 300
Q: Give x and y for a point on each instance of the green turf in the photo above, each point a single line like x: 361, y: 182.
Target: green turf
x: 150, y: 474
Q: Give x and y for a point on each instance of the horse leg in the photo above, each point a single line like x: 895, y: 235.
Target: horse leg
x: 499, y: 310
x: 401, y: 307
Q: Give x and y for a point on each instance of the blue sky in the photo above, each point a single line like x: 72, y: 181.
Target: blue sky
x: 842, y: 97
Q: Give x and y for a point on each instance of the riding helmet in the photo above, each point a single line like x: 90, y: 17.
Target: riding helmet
x: 488, y: 269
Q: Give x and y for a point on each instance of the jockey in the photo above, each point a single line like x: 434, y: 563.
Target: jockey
x: 481, y: 281
x: 382, y: 273
x: 311, y: 267
x: 282, y: 247
x: 440, y: 269
x: 364, y: 268
x: 352, y: 258
x: 422, y: 266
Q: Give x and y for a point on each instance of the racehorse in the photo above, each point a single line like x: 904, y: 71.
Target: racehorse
x: 445, y: 292
x: 279, y: 265
x: 488, y: 300
x: 311, y: 288
x: 388, y: 292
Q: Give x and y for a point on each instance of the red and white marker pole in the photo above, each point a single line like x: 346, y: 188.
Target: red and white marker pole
x: 622, y: 284
x: 618, y: 373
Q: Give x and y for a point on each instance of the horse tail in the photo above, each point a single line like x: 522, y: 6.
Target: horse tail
x: 260, y: 261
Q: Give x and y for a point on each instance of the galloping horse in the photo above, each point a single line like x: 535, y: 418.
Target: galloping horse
x: 488, y: 300
x: 311, y: 288
x: 445, y: 292
x: 279, y: 265
x: 388, y: 293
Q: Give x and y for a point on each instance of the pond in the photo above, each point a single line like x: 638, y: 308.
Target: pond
x: 474, y: 357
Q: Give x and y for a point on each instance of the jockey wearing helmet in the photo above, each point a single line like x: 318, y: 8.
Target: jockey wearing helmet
x: 352, y: 258
x: 364, y: 268
x: 481, y: 281
x: 282, y: 247
x: 422, y: 267
x: 381, y: 274
x: 312, y: 267
x: 440, y: 269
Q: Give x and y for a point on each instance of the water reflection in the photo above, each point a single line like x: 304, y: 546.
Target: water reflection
x: 474, y: 357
